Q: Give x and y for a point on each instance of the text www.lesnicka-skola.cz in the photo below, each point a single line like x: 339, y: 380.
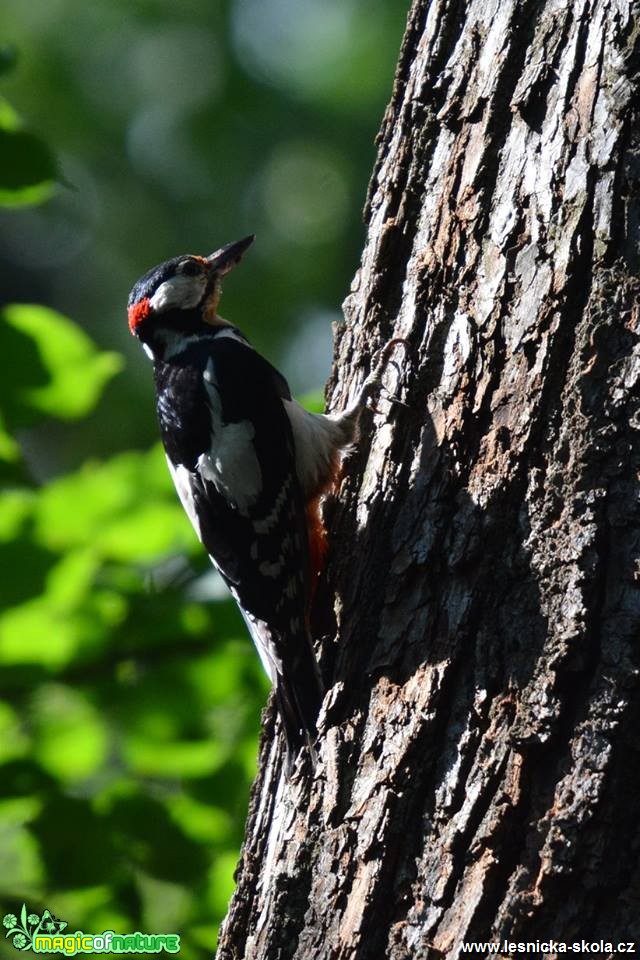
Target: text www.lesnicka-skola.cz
x: 544, y: 947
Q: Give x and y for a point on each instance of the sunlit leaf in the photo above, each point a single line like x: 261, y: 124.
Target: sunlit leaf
x: 148, y: 532
x: 9, y: 449
x: 70, y: 739
x: 165, y: 905
x: 13, y: 739
x: 9, y: 118
x: 125, y: 508
x: 204, y: 822
x: 12, y: 468
x: 50, y: 366
x: 183, y: 759
x: 205, y: 936
x: 248, y: 757
x: 15, y: 507
x: 20, y: 865
x: 69, y: 582
x: 221, y: 883
x: 32, y: 633
x: 216, y: 675
x: 91, y: 903
x: 20, y: 810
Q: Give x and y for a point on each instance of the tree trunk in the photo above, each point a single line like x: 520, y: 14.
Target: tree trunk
x: 478, y: 776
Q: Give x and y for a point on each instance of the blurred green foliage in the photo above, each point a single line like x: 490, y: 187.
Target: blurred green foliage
x: 130, y: 710
x: 28, y: 170
x: 131, y: 696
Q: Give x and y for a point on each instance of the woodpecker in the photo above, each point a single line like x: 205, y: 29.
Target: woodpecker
x: 249, y: 464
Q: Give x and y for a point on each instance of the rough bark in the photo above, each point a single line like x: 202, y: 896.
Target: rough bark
x: 478, y: 774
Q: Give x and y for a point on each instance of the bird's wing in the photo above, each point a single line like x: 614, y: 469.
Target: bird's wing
x: 235, y: 475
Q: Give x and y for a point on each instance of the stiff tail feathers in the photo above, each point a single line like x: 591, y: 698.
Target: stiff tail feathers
x: 293, y: 671
x: 299, y: 693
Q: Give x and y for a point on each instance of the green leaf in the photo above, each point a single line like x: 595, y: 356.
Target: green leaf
x: 9, y: 118
x: 165, y: 905
x: 125, y: 508
x: 31, y: 633
x: 217, y: 674
x: 13, y: 472
x: 221, y: 882
x: 20, y: 866
x: 15, y: 507
x: 13, y: 742
x: 69, y: 734
x: 203, y: 822
x: 50, y: 366
x: 9, y: 449
x: 18, y: 811
x: 179, y: 759
x: 28, y: 169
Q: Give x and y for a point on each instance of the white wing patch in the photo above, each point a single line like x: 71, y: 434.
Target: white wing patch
x: 231, y: 464
x: 234, y: 468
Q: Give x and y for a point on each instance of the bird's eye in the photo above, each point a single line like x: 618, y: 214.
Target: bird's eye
x: 190, y: 267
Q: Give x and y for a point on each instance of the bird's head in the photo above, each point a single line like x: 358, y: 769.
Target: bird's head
x: 180, y: 296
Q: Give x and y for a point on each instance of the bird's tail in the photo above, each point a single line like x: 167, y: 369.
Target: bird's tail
x: 293, y: 670
x: 299, y: 692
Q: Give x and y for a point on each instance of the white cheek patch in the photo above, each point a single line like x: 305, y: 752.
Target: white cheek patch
x: 180, y: 291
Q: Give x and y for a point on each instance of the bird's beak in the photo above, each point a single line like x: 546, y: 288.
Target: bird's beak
x: 226, y: 258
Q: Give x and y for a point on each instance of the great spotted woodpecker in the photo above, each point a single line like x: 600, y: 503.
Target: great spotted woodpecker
x: 249, y: 464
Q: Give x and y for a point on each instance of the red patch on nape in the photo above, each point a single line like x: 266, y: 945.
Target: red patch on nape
x: 138, y: 312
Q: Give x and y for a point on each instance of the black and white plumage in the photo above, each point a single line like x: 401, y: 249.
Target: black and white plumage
x: 249, y: 465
